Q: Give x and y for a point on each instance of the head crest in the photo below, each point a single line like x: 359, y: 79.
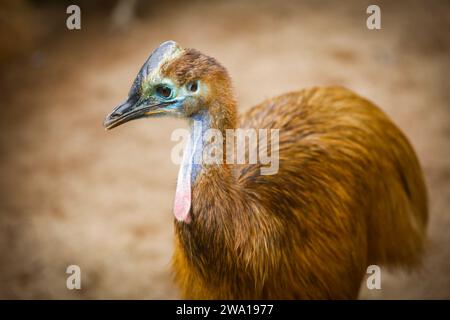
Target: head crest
x: 161, y: 54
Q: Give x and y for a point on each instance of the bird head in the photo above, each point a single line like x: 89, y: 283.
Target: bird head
x: 175, y: 82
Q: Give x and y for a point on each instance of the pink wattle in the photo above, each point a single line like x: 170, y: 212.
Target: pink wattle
x: 183, y: 194
x: 182, y: 203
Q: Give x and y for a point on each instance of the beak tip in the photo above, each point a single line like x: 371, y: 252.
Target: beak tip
x: 106, y: 123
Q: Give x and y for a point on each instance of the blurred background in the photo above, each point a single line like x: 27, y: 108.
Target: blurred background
x: 71, y: 193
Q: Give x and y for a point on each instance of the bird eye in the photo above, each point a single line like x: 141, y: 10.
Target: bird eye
x: 164, y: 91
x: 192, y: 86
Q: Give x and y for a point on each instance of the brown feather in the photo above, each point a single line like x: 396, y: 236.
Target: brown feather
x: 349, y: 193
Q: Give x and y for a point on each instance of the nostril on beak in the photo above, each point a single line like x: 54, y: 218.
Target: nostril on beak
x: 115, y: 115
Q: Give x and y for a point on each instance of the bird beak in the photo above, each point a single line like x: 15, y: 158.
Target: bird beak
x: 131, y: 110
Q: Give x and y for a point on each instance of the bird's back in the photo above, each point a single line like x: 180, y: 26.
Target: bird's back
x: 349, y: 172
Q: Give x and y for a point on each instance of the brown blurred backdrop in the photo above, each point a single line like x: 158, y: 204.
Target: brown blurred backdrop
x: 71, y: 193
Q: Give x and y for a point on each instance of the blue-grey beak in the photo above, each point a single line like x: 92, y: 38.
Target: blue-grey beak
x: 131, y: 110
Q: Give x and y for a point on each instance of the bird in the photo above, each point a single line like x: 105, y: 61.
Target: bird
x: 349, y: 191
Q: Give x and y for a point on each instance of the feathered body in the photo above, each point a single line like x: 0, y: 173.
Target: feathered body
x: 349, y: 192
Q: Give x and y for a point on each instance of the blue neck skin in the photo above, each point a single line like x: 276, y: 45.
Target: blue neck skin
x: 199, y: 124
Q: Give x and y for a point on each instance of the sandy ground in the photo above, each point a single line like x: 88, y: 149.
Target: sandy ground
x: 71, y: 193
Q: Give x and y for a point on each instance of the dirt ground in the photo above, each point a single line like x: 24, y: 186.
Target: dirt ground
x: 71, y: 193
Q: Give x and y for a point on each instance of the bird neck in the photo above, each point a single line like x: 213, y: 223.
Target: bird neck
x: 199, y: 124
x: 207, y: 131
